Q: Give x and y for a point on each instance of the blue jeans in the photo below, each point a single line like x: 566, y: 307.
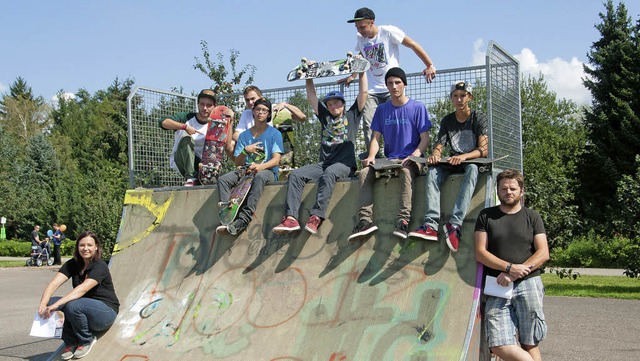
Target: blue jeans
x: 231, y: 179
x: 326, y: 178
x: 435, y: 176
x: 83, y: 317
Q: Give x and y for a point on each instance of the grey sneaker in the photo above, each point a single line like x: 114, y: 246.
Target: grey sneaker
x: 236, y: 227
x: 402, y: 228
x: 68, y: 353
x: 83, y: 350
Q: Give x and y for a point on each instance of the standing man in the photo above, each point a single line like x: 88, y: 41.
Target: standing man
x: 465, y: 133
x: 339, y: 127
x: 380, y: 46
x: 35, y: 236
x: 511, y: 242
x: 190, y: 131
x: 404, y: 123
x: 57, y: 242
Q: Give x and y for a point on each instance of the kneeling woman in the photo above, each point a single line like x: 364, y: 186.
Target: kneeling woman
x: 91, y: 306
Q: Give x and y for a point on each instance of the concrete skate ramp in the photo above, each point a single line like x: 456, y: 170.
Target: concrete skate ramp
x: 188, y: 294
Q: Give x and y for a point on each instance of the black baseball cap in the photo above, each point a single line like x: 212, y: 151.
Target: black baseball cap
x: 362, y: 14
x: 208, y: 93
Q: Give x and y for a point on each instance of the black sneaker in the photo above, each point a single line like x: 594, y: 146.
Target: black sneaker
x: 402, y: 229
x: 361, y: 229
x: 236, y: 227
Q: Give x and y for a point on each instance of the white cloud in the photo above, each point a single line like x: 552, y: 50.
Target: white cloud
x: 66, y: 96
x: 562, y: 77
x: 479, y: 53
x: 3, y: 88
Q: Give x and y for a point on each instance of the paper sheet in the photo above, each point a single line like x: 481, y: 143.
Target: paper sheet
x: 51, y: 327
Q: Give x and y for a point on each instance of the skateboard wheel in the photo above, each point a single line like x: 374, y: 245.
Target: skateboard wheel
x: 303, y: 60
x: 346, y: 67
x: 349, y: 54
x: 299, y: 73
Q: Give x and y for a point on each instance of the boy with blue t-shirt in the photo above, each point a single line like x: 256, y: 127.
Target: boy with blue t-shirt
x: 259, y: 149
x: 404, y: 123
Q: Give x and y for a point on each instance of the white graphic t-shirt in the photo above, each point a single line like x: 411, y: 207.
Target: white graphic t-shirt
x: 383, y: 52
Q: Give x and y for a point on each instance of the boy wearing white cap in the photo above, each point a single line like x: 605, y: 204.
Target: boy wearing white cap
x: 465, y: 133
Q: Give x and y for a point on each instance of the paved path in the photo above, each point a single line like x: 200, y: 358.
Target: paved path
x: 580, y: 329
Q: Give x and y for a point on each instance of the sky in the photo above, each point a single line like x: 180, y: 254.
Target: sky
x: 71, y: 45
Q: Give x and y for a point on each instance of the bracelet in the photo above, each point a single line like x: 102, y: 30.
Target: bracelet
x: 184, y: 126
x: 508, y: 267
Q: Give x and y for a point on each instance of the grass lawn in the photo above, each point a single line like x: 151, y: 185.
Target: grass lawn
x: 592, y: 286
x: 21, y: 263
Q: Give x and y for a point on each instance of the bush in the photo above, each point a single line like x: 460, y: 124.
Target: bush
x: 593, y: 251
x: 14, y: 248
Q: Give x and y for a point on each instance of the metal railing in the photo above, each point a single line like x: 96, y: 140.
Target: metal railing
x: 496, y: 92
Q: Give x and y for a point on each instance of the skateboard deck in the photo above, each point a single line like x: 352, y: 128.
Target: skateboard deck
x: 387, y: 167
x: 214, y: 144
x: 229, y: 210
x: 283, y: 121
x: 311, y: 69
x: 484, y: 164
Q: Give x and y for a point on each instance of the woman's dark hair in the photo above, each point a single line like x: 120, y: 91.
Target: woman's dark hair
x: 85, y: 234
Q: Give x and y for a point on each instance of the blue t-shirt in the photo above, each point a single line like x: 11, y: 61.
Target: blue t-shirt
x: 57, y: 238
x: 401, y: 127
x: 271, y: 140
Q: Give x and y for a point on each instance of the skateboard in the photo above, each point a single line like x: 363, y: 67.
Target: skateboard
x: 387, y: 168
x: 309, y: 69
x: 214, y: 144
x: 283, y: 121
x: 229, y: 210
x: 484, y: 164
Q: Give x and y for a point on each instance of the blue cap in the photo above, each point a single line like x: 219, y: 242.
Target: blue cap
x: 334, y: 95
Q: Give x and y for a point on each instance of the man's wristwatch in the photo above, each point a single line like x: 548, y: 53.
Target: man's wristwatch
x: 508, y: 267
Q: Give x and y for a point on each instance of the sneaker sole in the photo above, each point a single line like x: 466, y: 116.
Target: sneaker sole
x: 281, y: 230
x: 399, y: 234
x: 423, y: 237
x: 356, y: 236
x: 67, y: 357
x: 310, y: 230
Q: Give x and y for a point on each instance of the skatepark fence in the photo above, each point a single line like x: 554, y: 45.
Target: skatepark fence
x: 496, y: 87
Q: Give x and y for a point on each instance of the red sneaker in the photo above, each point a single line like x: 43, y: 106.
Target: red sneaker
x: 313, y: 224
x: 425, y: 232
x: 453, y: 236
x: 289, y: 224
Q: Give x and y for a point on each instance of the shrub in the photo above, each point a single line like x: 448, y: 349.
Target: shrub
x: 14, y: 248
x: 595, y: 251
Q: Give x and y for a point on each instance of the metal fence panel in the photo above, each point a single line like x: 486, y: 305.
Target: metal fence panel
x: 496, y: 92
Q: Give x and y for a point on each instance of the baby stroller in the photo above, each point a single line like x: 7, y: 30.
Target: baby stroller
x: 39, y: 256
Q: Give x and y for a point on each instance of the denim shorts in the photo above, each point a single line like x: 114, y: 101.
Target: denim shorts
x: 519, y: 319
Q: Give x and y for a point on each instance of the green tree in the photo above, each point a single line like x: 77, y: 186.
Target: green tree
x: 21, y: 114
x: 614, y: 118
x: 223, y: 82
x: 553, y: 140
x: 35, y: 179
